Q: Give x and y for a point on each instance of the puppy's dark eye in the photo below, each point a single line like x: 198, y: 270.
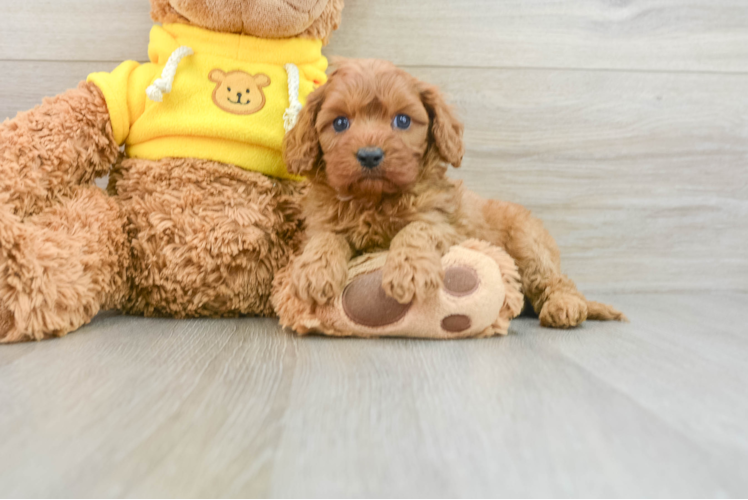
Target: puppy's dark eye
x: 402, y: 122
x: 247, y: 91
x: 341, y: 124
x: 229, y: 89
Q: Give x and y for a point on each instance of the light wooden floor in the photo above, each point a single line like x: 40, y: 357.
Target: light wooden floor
x: 140, y: 407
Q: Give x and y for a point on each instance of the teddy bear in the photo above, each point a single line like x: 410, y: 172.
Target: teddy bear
x: 201, y: 212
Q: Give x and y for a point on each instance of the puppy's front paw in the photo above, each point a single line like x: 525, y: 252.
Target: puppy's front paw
x: 319, y: 281
x: 409, y: 277
x: 563, y: 310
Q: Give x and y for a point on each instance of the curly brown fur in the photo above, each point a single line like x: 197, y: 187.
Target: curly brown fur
x: 60, y: 267
x: 206, y: 238
x: 46, y: 152
x: 315, y: 19
x: 321, y: 270
x: 406, y: 204
x: 61, y: 240
x: 328, y: 22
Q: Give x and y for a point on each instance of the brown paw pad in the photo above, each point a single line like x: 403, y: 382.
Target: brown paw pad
x: 456, y: 323
x: 461, y: 281
x: 366, y: 304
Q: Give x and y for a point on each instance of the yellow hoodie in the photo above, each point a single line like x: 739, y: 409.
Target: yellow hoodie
x: 226, y: 101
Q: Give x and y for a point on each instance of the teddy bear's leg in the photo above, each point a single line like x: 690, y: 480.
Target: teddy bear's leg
x: 481, y: 294
x: 57, y: 238
x: 60, y: 267
x: 207, y: 239
x: 46, y: 152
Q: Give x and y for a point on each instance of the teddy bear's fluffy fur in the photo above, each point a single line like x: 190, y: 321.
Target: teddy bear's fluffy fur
x: 181, y: 238
x: 406, y: 203
x: 261, y: 18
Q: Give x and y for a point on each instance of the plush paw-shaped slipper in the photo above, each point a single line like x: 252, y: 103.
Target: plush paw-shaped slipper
x: 480, y: 296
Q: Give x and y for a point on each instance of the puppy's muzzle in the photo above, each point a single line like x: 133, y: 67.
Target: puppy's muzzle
x: 370, y: 157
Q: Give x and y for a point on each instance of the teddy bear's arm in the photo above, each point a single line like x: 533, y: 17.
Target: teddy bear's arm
x: 44, y: 153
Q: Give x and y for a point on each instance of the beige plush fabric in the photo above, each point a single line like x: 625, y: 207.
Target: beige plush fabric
x: 497, y: 300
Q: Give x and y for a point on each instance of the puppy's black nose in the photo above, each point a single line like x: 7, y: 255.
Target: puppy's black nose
x: 370, y: 157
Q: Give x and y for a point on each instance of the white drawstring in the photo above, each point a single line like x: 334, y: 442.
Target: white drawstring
x: 164, y: 84
x: 291, y: 116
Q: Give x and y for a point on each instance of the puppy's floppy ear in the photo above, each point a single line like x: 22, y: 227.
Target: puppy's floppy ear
x: 301, y: 151
x: 446, y: 129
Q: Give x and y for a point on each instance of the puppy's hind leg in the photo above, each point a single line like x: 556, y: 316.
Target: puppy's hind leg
x: 603, y: 312
x: 553, y: 295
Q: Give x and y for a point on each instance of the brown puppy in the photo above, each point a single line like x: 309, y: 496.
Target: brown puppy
x: 375, y: 143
